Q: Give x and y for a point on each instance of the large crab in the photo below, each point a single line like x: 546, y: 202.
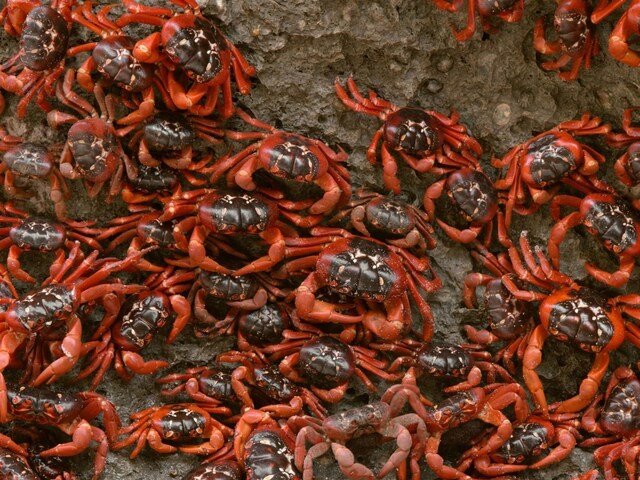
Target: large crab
x: 197, y: 46
x: 509, y: 11
x: 292, y: 158
x: 44, y: 36
x: 418, y: 136
x: 571, y: 313
x: 536, y: 168
x: 576, y: 40
x: 336, y: 430
x: 380, y: 278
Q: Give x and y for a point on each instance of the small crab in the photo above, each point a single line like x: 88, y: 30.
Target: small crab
x: 418, y: 136
x: 577, y: 41
x: 509, y: 11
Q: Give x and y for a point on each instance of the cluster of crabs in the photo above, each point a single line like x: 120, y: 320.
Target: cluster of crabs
x: 574, y: 41
x: 319, y: 285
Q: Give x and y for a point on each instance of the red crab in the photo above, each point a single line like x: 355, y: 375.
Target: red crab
x: 609, y: 218
x: 220, y: 219
x: 576, y: 40
x: 282, y: 396
x: 621, y: 46
x: 91, y: 142
x: 44, y: 35
x: 34, y: 233
x: 192, y: 42
x: 326, y: 363
x: 380, y: 278
x: 290, y: 157
x: 528, y: 441
x: 510, y: 319
x: 53, y: 307
x: 113, y: 58
x: 182, y: 424
x: 571, y: 313
x: 538, y: 166
x: 418, y: 136
x: 28, y: 162
x: 627, y: 166
x: 336, y: 430
x: 389, y: 220
x: 70, y: 413
x: 482, y: 403
x: 510, y: 11
x: 263, y: 447
x: 617, y: 424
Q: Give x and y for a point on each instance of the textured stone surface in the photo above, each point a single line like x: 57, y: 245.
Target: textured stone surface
x: 405, y: 51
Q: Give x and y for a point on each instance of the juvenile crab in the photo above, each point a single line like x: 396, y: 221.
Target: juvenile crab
x: 181, y: 424
x: 91, y: 142
x: 387, y: 219
x: 34, y: 233
x: 509, y: 11
x: 537, y: 167
x: 197, y: 46
x: 577, y: 41
x: 380, y: 278
x: 418, y: 136
x: 609, y: 218
x: 336, y: 430
x: 291, y: 157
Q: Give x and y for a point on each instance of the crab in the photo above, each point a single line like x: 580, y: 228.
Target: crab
x: 621, y: 46
x: 527, y: 442
x: 627, y: 166
x: 417, y: 136
x: 536, y: 168
x: 291, y: 157
x: 44, y: 35
x: 195, y: 45
x: 571, y: 313
x: 34, y: 233
x: 576, y: 40
x: 387, y: 219
x: 30, y: 161
x: 509, y: 11
x: 616, y: 422
x: 181, y: 424
x: 609, y: 218
x: 113, y: 58
x: 326, y: 363
x: 336, y: 430
x: 219, y: 218
x: 70, y: 413
x: 380, y: 278
x: 285, y: 398
x: 53, y: 307
x: 263, y: 447
x: 482, y: 403
x: 91, y: 142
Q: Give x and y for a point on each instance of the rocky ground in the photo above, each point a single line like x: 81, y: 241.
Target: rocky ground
x: 404, y: 50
